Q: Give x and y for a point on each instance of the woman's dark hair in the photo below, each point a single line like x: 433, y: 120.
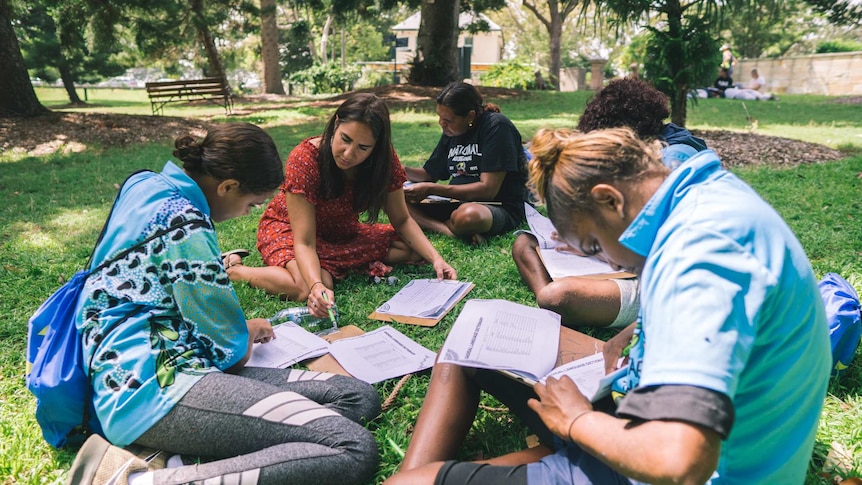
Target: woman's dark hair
x: 374, y: 175
x: 462, y: 97
x: 626, y: 102
x: 239, y: 151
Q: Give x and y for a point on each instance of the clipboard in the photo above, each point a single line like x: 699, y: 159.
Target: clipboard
x: 422, y: 322
x: 574, y: 345
x: 326, y: 362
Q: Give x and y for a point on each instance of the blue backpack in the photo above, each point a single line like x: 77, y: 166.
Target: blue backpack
x: 844, y: 318
x: 56, y: 372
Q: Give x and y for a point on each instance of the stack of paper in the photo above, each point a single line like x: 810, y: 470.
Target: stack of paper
x: 523, y: 343
x: 561, y: 263
x: 372, y: 357
x: 422, y: 301
x: 292, y: 344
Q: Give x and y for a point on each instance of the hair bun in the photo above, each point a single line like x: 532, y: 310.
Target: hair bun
x: 189, y: 151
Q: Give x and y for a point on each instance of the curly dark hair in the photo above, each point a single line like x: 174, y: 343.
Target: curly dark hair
x: 627, y: 102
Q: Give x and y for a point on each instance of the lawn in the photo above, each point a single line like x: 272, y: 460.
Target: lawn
x: 54, y: 205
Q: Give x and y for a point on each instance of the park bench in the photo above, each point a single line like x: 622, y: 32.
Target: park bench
x: 213, y: 89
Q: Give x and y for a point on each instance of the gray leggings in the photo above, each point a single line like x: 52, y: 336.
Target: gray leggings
x: 270, y: 426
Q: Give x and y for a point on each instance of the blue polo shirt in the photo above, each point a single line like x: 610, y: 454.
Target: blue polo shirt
x: 729, y: 303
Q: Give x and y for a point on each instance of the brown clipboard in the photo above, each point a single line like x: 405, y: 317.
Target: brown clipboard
x: 574, y: 345
x: 594, y: 276
x: 327, y: 363
x: 423, y: 322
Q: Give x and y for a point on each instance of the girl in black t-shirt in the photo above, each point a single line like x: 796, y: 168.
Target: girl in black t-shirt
x: 481, y: 155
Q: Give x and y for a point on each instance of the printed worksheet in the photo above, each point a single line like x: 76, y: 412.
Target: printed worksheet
x: 381, y: 354
x: 291, y: 344
x: 561, y: 264
x: 425, y: 298
x: 540, y: 227
x: 499, y: 334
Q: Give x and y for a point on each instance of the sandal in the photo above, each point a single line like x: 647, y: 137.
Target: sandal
x: 226, y: 257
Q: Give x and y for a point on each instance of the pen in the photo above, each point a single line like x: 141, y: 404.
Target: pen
x: 331, y: 314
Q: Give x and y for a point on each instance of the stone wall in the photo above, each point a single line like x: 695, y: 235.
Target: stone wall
x: 829, y: 74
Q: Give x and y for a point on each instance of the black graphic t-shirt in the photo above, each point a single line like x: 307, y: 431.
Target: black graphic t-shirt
x: 493, y: 145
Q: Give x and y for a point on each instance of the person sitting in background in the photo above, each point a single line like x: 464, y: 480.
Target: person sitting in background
x: 722, y: 82
x: 611, y: 302
x: 311, y: 234
x: 168, y: 342
x: 751, y: 90
x: 731, y: 345
x: 481, y: 154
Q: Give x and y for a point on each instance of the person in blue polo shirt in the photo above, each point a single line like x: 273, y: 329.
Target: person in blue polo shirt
x: 730, y: 359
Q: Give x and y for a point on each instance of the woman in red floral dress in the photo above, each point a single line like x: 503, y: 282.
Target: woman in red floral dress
x: 311, y: 234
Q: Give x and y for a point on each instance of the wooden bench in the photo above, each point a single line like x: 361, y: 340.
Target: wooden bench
x: 213, y: 89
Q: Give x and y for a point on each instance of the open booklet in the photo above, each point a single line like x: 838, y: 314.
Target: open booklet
x: 372, y: 357
x: 422, y: 301
x: 292, y: 344
x: 527, y: 344
x: 560, y: 263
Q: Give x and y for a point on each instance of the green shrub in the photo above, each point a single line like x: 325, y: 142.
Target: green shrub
x: 370, y: 78
x: 510, y: 74
x: 326, y: 78
x: 839, y: 46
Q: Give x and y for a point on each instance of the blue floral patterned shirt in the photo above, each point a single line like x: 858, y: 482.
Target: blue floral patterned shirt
x: 156, y: 321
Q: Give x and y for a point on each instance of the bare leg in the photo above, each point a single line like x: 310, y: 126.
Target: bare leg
x: 522, y: 457
x: 425, y: 474
x: 400, y: 252
x: 469, y: 219
x: 529, y: 264
x: 285, y: 282
x: 445, y: 418
x: 428, y: 223
x: 428, y: 473
x: 580, y: 301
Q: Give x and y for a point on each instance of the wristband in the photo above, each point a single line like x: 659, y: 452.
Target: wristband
x: 569, y: 434
x: 315, y: 284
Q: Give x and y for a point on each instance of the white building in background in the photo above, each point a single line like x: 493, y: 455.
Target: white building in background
x: 484, y: 48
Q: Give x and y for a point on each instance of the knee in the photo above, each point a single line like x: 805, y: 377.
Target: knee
x: 359, y: 401
x: 366, y: 456
x: 466, y: 216
x: 555, y: 296
x: 523, y: 245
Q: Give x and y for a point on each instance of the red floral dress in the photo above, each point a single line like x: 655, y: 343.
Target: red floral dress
x: 343, y: 242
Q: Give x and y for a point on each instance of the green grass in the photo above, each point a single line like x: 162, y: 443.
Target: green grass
x: 54, y: 207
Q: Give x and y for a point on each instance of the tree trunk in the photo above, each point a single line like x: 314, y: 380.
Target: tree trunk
x: 69, y: 82
x: 214, y: 66
x: 269, y: 48
x: 17, y: 97
x: 324, y: 39
x: 555, y: 32
x: 436, y: 62
x: 676, y: 59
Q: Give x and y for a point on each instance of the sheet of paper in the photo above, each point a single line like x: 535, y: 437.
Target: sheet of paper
x: 499, y: 334
x: 433, y: 199
x: 561, y: 264
x: 425, y: 298
x: 292, y: 344
x: 540, y: 227
x: 589, y: 374
x: 381, y: 354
